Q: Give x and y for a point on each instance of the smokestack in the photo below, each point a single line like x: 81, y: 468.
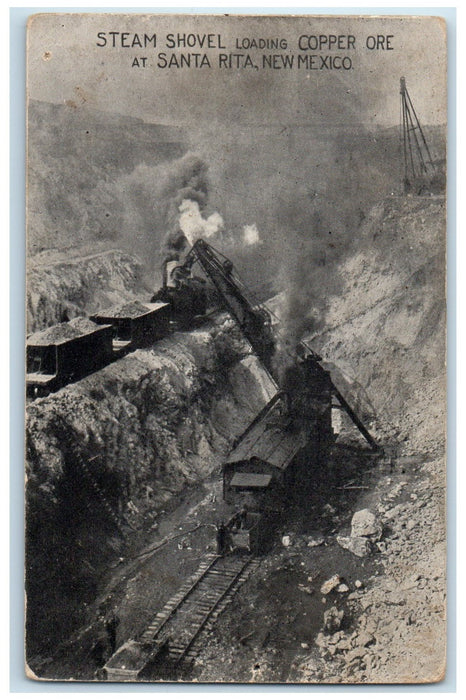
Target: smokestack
x: 167, y: 269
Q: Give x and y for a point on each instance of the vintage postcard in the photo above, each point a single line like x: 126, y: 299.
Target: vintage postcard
x: 236, y: 386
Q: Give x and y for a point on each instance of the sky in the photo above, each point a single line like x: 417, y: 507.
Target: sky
x: 66, y: 65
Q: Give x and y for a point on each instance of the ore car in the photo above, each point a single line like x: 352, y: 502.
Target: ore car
x: 249, y: 531
x: 135, y: 324
x: 64, y: 353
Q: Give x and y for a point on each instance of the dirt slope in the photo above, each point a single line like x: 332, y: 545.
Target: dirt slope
x: 387, y: 330
x: 387, y: 327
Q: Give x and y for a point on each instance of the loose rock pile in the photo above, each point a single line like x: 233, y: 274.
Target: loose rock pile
x: 366, y: 529
x: 398, y: 616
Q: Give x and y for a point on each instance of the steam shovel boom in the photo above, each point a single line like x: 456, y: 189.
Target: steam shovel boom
x: 253, y: 319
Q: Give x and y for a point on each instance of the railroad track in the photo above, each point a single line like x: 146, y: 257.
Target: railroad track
x: 175, y: 634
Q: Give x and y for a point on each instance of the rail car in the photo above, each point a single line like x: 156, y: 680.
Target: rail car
x: 69, y: 351
x: 135, y: 324
x: 248, y: 532
x: 65, y: 353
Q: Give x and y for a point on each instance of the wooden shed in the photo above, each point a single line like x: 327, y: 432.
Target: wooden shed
x: 260, y: 461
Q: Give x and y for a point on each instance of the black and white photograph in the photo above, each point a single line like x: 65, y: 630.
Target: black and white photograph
x: 235, y: 432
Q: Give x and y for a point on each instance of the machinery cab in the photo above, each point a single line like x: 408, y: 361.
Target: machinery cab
x: 186, y: 294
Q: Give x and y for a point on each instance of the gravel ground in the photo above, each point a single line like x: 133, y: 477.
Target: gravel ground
x: 398, y: 634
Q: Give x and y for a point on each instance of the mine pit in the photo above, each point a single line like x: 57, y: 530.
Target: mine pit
x: 235, y: 405
x: 127, y: 486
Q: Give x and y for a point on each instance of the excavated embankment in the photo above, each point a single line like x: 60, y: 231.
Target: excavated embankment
x: 387, y: 327
x: 105, y: 451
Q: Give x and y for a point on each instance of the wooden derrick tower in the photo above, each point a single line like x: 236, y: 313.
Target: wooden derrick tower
x: 419, y: 168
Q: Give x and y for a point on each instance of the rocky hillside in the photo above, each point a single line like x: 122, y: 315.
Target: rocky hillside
x: 387, y: 327
x: 62, y: 285
x: 78, y: 162
x: 388, y: 330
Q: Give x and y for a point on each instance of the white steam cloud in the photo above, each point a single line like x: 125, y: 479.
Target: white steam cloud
x: 193, y: 224
x: 251, y: 235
